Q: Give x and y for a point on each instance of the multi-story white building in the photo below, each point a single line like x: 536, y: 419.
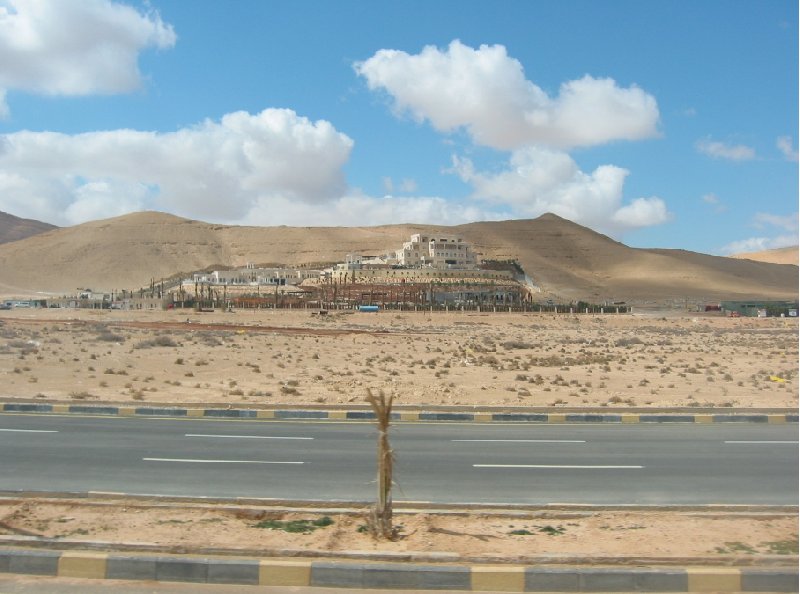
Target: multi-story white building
x: 438, y: 251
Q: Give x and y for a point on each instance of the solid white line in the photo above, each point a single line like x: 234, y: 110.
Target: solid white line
x: 524, y: 440
x: 30, y: 430
x: 761, y: 442
x: 189, y: 460
x: 244, y: 436
x: 552, y: 466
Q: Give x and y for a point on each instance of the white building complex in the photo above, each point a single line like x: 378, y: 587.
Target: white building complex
x: 251, y: 275
x: 441, y: 252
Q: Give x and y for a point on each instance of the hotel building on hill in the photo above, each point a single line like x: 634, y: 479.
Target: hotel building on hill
x: 437, y: 251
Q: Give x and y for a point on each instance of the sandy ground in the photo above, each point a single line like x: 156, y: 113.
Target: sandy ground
x: 718, y: 536
x: 267, y: 358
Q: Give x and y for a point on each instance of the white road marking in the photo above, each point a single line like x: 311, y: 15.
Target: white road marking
x: 195, y: 461
x: 553, y: 466
x: 243, y: 436
x: 29, y: 430
x: 524, y: 440
x: 761, y: 442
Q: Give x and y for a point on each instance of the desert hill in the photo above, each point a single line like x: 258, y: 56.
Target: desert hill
x: 788, y: 255
x: 14, y: 228
x: 562, y: 257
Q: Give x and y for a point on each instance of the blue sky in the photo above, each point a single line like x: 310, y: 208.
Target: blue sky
x: 662, y: 124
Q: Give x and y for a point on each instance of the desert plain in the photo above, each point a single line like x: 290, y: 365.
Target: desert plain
x: 266, y: 358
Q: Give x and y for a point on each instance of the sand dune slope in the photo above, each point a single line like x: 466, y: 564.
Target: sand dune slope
x: 787, y: 255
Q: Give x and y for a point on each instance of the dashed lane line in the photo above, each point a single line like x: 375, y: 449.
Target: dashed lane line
x: 244, y: 436
x: 559, y: 466
x: 197, y: 461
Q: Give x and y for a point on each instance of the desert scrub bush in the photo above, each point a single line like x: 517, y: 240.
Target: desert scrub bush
x: 489, y: 360
x: 158, y: 341
x: 295, y: 526
x: 259, y: 393
x: 516, y: 344
x: 84, y: 395
x: 209, y: 339
x: 567, y: 361
x: 108, y: 336
x: 626, y: 342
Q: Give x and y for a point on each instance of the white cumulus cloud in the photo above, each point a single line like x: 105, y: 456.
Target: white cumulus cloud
x: 356, y: 209
x: 714, y: 201
x: 58, y: 47
x: 485, y: 91
x: 722, y: 150
x: 786, y: 146
x: 787, y: 226
x: 215, y: 171
x: 542, y: 180
x: 786, y: 222
x: 759, y: 244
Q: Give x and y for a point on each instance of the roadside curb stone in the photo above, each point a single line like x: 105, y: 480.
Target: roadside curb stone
x: 354, y: 575
x: 421, y: 415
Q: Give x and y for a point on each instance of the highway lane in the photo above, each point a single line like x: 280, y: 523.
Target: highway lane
x: 668, y: 464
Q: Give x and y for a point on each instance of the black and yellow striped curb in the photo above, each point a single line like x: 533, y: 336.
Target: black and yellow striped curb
x: 327, y: 573
x: 405, y: 415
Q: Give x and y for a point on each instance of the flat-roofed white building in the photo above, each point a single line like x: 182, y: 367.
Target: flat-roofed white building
x: 440, y: 251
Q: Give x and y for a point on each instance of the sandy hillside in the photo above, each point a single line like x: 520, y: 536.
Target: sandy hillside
x: 565, y: 259
x: 268, y: 358
x: 788, y: 255
x: 14, y: 228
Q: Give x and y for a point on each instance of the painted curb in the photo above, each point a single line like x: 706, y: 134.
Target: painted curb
x: 404, y: 416
x: 326, y: 573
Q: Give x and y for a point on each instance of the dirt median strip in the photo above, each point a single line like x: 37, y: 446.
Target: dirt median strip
x: 742, y: 536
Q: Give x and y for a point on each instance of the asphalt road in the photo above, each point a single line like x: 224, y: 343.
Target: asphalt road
x: 666, y: 464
